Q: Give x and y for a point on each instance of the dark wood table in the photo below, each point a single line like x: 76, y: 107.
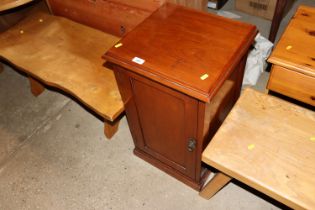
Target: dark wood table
x: 179, y: 73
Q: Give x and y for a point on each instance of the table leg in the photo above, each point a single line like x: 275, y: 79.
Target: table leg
x: 214, y: 185
x: 36, y: 87
x: 49, y: 7
x: 278, y: 15
x: 110, y: 128
x: 1, y: 68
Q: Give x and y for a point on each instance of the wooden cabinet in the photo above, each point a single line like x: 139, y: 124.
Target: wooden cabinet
x: 293, y: 59
x: 179, y: 73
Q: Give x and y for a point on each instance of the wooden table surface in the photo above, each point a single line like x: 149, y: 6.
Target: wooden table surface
x: 10, y: 4
x: 268, y: 144
x: 296, y: 48
x: 66, y: 55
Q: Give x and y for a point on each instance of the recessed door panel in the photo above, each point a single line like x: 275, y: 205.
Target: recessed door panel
x: 168, y: 121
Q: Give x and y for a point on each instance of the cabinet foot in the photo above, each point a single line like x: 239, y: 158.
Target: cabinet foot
x: 36, y: 87
x: 214, y: 185
x: 110, y: 128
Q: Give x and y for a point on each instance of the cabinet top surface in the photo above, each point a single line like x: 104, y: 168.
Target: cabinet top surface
x: 296, y: 48
x: 266, y: 135
x: 185, y: 49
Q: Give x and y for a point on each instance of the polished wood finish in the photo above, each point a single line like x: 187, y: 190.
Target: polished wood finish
x: 214, y: 185
x: 168, y: 97
x: 293, y: 84
x: 36, y: 87
x: 268, y: 144
x: 295, y: 53
x: 11, y: 4
x: 180, y: 61
x: 65, y: 55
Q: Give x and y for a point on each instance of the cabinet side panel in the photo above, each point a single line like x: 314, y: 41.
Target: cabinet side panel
x: 222, y: 103
x: 124, y: 86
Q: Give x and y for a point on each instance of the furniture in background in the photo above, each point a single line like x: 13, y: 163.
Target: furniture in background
x: 70, y: 62
x: 268, y: 144
x: 9, y: 18
x: 278, y: 15
x: 119, y: 17
x: 116, y: 17
x: 11, y: 4
x: 179, y: 73
x: 63, y: 54
x: 216, y: 4
x: 60, y: 53
x: 271, y: 10
x: 293, y: 59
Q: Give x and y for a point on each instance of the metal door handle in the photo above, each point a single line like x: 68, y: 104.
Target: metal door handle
x: 191, y: 144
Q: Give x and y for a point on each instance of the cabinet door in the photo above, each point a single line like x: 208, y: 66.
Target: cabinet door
x: 162, y: 120
x: 168, y: 121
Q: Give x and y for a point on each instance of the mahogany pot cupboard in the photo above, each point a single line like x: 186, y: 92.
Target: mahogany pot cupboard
x: 179, y: 73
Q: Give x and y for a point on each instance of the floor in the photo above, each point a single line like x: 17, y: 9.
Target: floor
x: 53, y: 155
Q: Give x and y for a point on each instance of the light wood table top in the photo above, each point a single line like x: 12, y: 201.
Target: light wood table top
x: 66, y: 55
x: 10, y: 4
x: 296, y: 48
x: 268, y: 144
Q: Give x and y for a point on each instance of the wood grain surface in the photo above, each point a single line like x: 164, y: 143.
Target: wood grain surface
x: 66, y: 55
x: 117, y: 17
x: 10, y: 4
x: 189, y: 51
x: 293, y: 84
x: 268, y: 144
x: 296, y: 48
